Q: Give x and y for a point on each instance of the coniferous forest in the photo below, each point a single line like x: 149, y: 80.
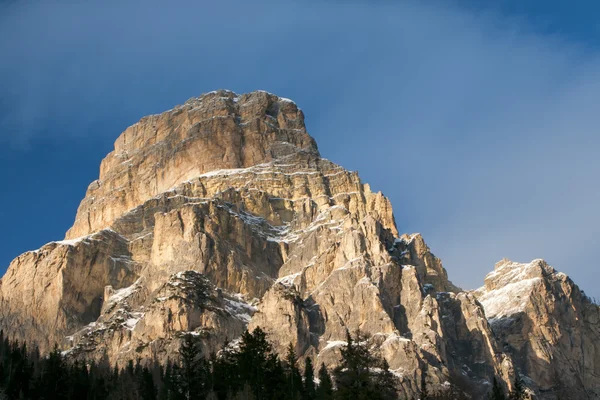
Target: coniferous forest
x: 247, y: 370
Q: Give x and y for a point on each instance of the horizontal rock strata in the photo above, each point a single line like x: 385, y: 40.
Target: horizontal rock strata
x: 220, y: 215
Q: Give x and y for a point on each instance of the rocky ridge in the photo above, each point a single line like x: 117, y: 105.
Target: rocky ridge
x: 220, y: 215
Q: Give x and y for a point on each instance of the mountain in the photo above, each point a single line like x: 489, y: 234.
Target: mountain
x: 220, y: 215
x: 548, y: 326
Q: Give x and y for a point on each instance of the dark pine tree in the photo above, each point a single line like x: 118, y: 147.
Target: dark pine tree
x: 168, y: 384
x: 276, y: 381
x: 78, y: 381
x: 253, y: 362
x: 363, y: 374
x: 145, y: 383
x: 225, y: 377
x: 191, y: 371
x: 292, y: 374
x: 325, y: 389
x: 97, y: 381
x: 18, y: 372
x: 54, y: 376
x: 386, y: 383
x: 309, y: 390
x: 352, y: 376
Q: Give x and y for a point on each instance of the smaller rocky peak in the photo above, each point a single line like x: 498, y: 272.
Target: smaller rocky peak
x: 507, y: 272
x: 508, y: 290
x: 537, y: 314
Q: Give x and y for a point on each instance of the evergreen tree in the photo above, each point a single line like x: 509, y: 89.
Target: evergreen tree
x: 293, y: 376
x: 497, y: 392
x: 97, y: 383
x: 225, y: 378
x: 146, y: 387
x: 54, y: 374
x: 251, y: 371
x: 352, y: 376
x: 254, y: 362
x: 245, y: 393
x: 78, y: 381
x: 167, y: 383
x: 17, y: 370
x: 308, y: 392
x: 386, y: 383
x: 100, y: 379
x: 190, y: 369
x: 325, y: 388
x: 276, y: 382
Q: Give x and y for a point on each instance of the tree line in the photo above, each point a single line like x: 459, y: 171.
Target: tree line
x: 246, y: 370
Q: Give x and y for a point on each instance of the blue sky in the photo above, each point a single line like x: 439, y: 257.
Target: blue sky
x: 480, y: 123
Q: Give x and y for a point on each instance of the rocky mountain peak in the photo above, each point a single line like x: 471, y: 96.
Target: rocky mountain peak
x: 546, y: 324
x: 220, y: 215
x: 217, y: 131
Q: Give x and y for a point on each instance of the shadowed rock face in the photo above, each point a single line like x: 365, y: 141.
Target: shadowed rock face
x: 220, y: 215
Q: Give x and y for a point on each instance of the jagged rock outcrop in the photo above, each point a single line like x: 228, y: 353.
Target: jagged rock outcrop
x: 548, y: 327
x: 134, y: 325
x: 49, y: 293
x: 221, y: 215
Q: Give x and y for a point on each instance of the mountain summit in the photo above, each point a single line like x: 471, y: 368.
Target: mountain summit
x: 220, y: 215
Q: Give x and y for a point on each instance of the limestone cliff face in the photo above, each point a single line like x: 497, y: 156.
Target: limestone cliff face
x: 547, y: 325
x: 220, y: 215
x: 51, y: 292
x: 219, y: 130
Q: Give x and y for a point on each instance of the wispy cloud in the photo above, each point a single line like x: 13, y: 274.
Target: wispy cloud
x: 482, y: 131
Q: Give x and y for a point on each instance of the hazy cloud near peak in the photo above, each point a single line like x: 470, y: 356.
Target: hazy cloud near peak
x: 482, y: 131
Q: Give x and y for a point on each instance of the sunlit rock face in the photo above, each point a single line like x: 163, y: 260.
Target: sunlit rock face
x: 547, y: 325
x: 219, y: 130
x: 220, y: 215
